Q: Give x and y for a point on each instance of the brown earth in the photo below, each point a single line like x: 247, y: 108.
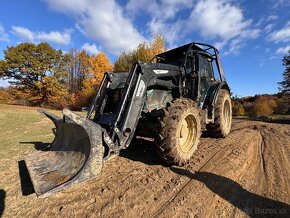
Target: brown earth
x: 245, y: 174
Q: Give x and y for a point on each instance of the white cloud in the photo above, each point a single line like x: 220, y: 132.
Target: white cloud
x: 112, y: 25
x: 90, y: 48
x: 163, y: 17
x: 102, y: 21
x: 268, y: 28
x: 55, y: 37
x: 283, y: 50
x: 3, y: 35
x: 224, y: 22
x: 234, y: 47
x: 265, y: 20
x: 272, y: 17
x: 163, y: 9
x: 282, y: 35
x: 171, y: 31
x: 23, y: 33
x: 27, y: 35
x: 214, y: 20
x: 280, y: 3
x: 218, y: 19
x: 75, y: 7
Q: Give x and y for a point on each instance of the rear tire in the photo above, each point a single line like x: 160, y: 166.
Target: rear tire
x: 180, y: 132
x: 223, y: 116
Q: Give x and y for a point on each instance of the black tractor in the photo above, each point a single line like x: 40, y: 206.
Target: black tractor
x: 172, y: 99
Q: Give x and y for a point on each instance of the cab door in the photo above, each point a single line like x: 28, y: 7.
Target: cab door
x: 205, y: 75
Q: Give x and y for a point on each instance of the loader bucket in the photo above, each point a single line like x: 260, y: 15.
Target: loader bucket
x: 75, y: 155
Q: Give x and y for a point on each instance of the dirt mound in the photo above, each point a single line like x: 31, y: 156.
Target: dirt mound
x: 247, y: 173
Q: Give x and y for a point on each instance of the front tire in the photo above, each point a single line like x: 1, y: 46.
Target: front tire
x: 180, y: 134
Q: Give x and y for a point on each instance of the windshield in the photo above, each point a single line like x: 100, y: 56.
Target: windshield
x: 174, y: 57
x: 177, y: 61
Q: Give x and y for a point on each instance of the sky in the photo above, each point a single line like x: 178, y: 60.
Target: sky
x: 252, y: 36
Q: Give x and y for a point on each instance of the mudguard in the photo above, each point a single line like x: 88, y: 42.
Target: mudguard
x: 75, y: 155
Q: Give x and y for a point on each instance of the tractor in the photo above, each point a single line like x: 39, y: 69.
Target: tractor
x: 171, y: 99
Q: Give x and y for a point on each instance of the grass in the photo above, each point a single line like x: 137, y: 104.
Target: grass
x: 20, y: 128
x: 20, y: 124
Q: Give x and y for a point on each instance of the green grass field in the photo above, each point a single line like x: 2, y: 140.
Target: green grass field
x: 21, y: 129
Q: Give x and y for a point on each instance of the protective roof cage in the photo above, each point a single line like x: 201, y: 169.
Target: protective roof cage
x: 205, y: 47
x: 194, y: 46
x: 210, y: 50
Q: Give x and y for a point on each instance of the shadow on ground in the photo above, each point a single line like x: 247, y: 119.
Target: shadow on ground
x: 38, y: 145
x: 281, y: 121
x: 2, y: 201
x: 266, y: 120
x: 25, y: 180
x: 41, y: 145
x: 142, y: 150
x: 248, y: 202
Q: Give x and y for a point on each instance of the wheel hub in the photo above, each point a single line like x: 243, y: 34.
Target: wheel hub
x: 187, y: 133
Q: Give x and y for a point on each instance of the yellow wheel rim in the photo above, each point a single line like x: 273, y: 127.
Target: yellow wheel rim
x: 187, y: 133
x: 227, y: 114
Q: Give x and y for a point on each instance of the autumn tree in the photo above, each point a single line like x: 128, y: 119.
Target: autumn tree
x: 157, y: 45
x: 264, y: 105
x: 36, y: 72
x: 98, y: 65
x: 238, y: 109
x: 144, y: 52
x: 6, y: 96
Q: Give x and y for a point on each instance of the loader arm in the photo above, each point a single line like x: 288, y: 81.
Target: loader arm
x: 119, y: 121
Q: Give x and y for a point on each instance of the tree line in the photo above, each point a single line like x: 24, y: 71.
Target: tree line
x: 40, y: 75
x: 265, y: 105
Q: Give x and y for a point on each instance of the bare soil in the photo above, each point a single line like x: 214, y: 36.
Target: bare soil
x: 245, y: 174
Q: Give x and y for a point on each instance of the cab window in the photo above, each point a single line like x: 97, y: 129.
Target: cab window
x: 205, y: 67
x: 189, y: 65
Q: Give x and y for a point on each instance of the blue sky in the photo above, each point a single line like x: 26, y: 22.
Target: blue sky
x: 252, y: 36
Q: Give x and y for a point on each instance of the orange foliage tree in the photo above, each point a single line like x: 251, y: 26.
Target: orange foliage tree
x: 264, y: 106
x: 6, y: 96
x: 238, y: 109
x: 98, y: 65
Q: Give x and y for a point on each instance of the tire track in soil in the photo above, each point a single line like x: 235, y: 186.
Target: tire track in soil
x: 264, y: 162
x: 228, y: 152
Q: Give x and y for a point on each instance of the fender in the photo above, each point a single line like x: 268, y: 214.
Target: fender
x: 212, y: 96
x: 222, y: 85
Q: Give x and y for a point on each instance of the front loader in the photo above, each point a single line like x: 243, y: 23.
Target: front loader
x: 172, y: 99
